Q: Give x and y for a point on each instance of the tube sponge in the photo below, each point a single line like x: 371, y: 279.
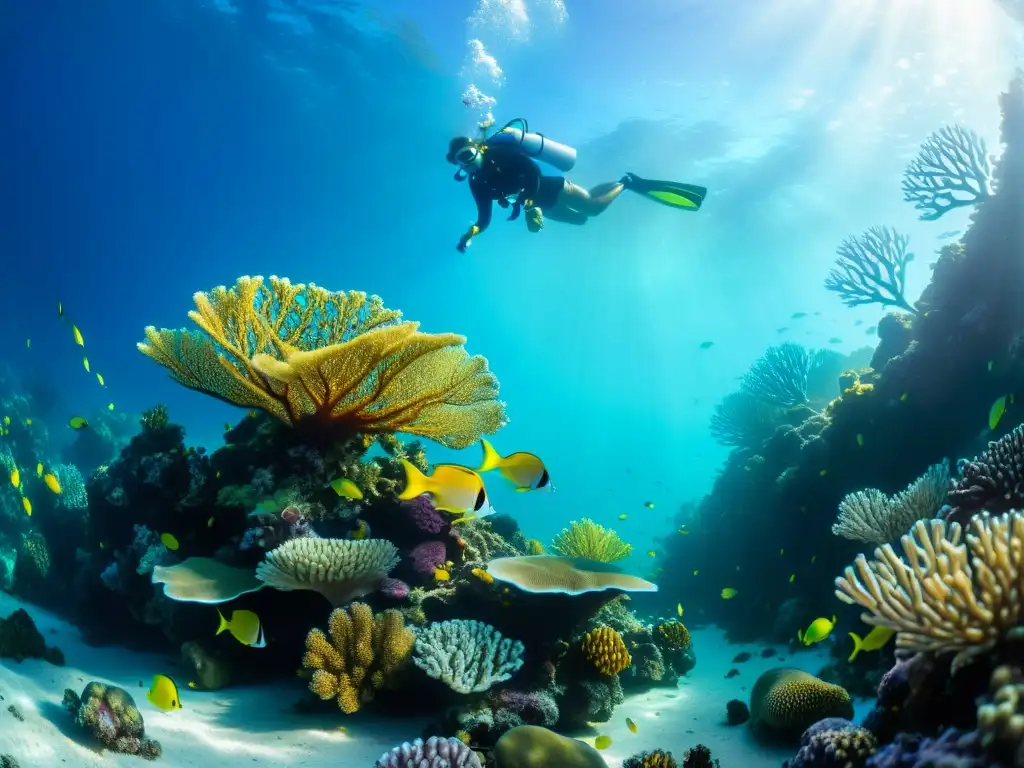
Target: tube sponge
x: 468, y: 656
x: 605, y: 649
x: 362, y: 651
x: 339, y: 569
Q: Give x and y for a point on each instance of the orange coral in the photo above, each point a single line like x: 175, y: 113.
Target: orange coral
x: 605, y: 649
x: 301, y: 352
x: 359, y: 656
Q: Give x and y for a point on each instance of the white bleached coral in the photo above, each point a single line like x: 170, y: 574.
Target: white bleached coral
x: 468, y: 656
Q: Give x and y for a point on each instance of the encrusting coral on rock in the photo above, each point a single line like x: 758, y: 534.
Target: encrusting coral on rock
x: 786, y: 701
x: 605, y: 650
x: 109, y: 714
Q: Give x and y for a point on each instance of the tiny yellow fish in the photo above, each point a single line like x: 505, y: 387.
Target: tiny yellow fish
x: 78, y: 336
x: 28, y: 343
x: 649, y: 504
x: 818, y: 631
x: 679, y: 609
x: 440, y: 574
x: 623, y: 517
x: 995, y: 413
x: 602, y: 742
x: 651, y: 553
x: 85, y: 362
x: 245, y: 627
x: 860, y: 439
x: 728, y: 593
x: 631, y: 725
x: 39, y: 469
x: 695, y: 571
x: 483, y: 575
x: 110, y: 406
x: 52, y: 482
x: 990, y: 364
x: 875, y: 640
x: 904, y: 396
x: 346, y: 488
x: 192, y: 684
x: 60, y: 309
x: 28, y: 422
x: 7, y: 420
x: 823, y: 472
x: 209, y: 523
x: 27, y: 505
x: 77, y: 422
x: 792, y: 578
x: 99, y: 378
x: 163, y: 693
x: 169, y: 541
x: 683, y: 531
x: 16, y: 478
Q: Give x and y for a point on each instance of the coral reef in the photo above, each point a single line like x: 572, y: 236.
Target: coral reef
x: 530, y: 746
x: 779, y: 376
x: 466, y: 655
x: 699, y: 757
x: 871, y: 269
x: 358, y: 657
x: 744, y: 420
x: 20, y: 640
x: 564, y: 575
x: 993, y: 481
x: 736, y: 712
x: 109, y: 714
x: 834, y: 743
x: 301, y: 352
x: 605, y: 650
x: 786, y: 701
x: 952, y: 170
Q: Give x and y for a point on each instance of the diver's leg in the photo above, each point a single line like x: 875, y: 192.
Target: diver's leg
x: 559, y: 212
x: 592, y: 202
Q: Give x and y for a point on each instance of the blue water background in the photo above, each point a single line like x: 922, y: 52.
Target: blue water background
x: 154, y: 148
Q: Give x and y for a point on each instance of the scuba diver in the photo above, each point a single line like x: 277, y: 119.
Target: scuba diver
x: 501, y: 168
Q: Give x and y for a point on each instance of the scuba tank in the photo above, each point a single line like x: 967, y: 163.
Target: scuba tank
x: 535, y: 145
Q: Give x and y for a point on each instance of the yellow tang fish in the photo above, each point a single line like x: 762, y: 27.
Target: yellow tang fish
x: 818, y: 631
x: 110, y: 406
x: 346, y: 489
x: 454, y: 488
x: 78, y: 336
x: 995, y: 413
x: 679, y: 609
x: 623, y: 517
x: 163, y: 693
x: 169, y: 541
x: 729, y: 593
x: 77, y: 422
x: 524, y: 470
x: 245, y: 627
x: 52, y: 482
x: 99, y: 378
x: 39, y: 469
x: 631, y: 725
x: 651, y: 553
x: 85, y: 362
x: 27, y: 505
x: 602, y: 742
x: 16, y: 478
x: 875, y: 640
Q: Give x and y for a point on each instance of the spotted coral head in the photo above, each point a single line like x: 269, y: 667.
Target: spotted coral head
x: 788, y: 700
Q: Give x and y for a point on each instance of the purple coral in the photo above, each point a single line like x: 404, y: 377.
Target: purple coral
x: 426, y: 556
x: 435, y: 752
x: 394, y: 588
x: 833, y: 743
x: 953, y: 749
x: 515, y: 708
x: 423, y: 515
x: 993, y: 481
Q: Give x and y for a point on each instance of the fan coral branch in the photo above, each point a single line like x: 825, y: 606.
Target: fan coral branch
x: 743, y: 420
x: 358, y: 657
x: 301, y: 352
x: 585, y: 538
x: 467, y: 656
x: 871, y: 269
x: 952, y: 170
x: 779, y: 376
x: 945, y: 596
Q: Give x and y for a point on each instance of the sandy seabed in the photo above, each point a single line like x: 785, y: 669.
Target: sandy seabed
x: 257, y: 725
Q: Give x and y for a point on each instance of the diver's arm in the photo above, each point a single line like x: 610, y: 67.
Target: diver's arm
x: 484, y: 206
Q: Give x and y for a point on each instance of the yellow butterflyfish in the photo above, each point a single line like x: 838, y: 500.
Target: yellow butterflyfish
x: 245, y: 627
x: 16, y: 478
x: 77, y: 422
x: 818, y: 631
x: 27, y: 505
x: 602, y: 742
x: 163, y: 693
x: 453, y: 488
x: 52, y: 482
x: 99, y: 378
x: 631, y: 725
x: 875, y: 640
x: 525, y: 471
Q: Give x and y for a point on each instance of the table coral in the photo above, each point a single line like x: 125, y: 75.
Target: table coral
x: 359, y: 654
x: 110, y: 715
x: 548, y: 574
x: 585, y: 538
x: 301, y: 352
x: 605, y: 650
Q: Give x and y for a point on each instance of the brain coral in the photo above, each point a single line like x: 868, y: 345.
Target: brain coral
x: 673, y: 635
x: 790, y: 700
x: 605, y: 649
x: 530, y: 746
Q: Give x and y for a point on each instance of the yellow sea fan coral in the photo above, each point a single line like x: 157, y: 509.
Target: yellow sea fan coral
x: 946, y: 596
x: 790, y: 700
x: 358, y: 656
x: 534, y: 547
x: 339, y: 569
x: 674, y: 635
x: 605, y: 649
x: 301, y: 352
x: 585, y: 538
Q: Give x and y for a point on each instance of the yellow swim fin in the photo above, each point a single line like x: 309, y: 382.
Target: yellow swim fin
x: 689, y: 197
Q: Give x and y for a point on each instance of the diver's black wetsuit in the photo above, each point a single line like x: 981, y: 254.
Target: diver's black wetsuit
x: 505, y: 172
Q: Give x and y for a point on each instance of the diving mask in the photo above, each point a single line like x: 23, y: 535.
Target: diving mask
x: 469, y: 158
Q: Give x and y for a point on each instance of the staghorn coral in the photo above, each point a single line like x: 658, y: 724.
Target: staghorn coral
x: 585, y: 538
x: 339, y: 569
x: 743, y: 420
x: 468, y: 656
x: 109, y: 714
x: 301, y: 352
x: 673, y: 635
x: 952, y: 170
x: 361, y: 653
x: 435, y: 752
x: 779, y: 376
x: 605, y: 650
x: 871, y: 269
x: 658, y: 758
x: 786, y: 700
x: 946, y: 596
x: 834, y: 743
x: 993, y: 481
x: 873, y: 517
x: 548, y: 574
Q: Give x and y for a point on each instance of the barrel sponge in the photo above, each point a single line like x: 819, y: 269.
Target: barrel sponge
x: 339, y: 569
x: 673, y: 635
x: 790, y: 700
x: 531, y: 746
x: 564, y: 575
x: 358, y: 655
x: 605, y: 649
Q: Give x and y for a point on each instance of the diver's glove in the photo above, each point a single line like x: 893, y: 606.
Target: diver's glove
x: 467, y: 239
x: 535, y: 219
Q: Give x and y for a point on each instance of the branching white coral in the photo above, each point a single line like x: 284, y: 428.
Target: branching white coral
x: 468, y: 656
